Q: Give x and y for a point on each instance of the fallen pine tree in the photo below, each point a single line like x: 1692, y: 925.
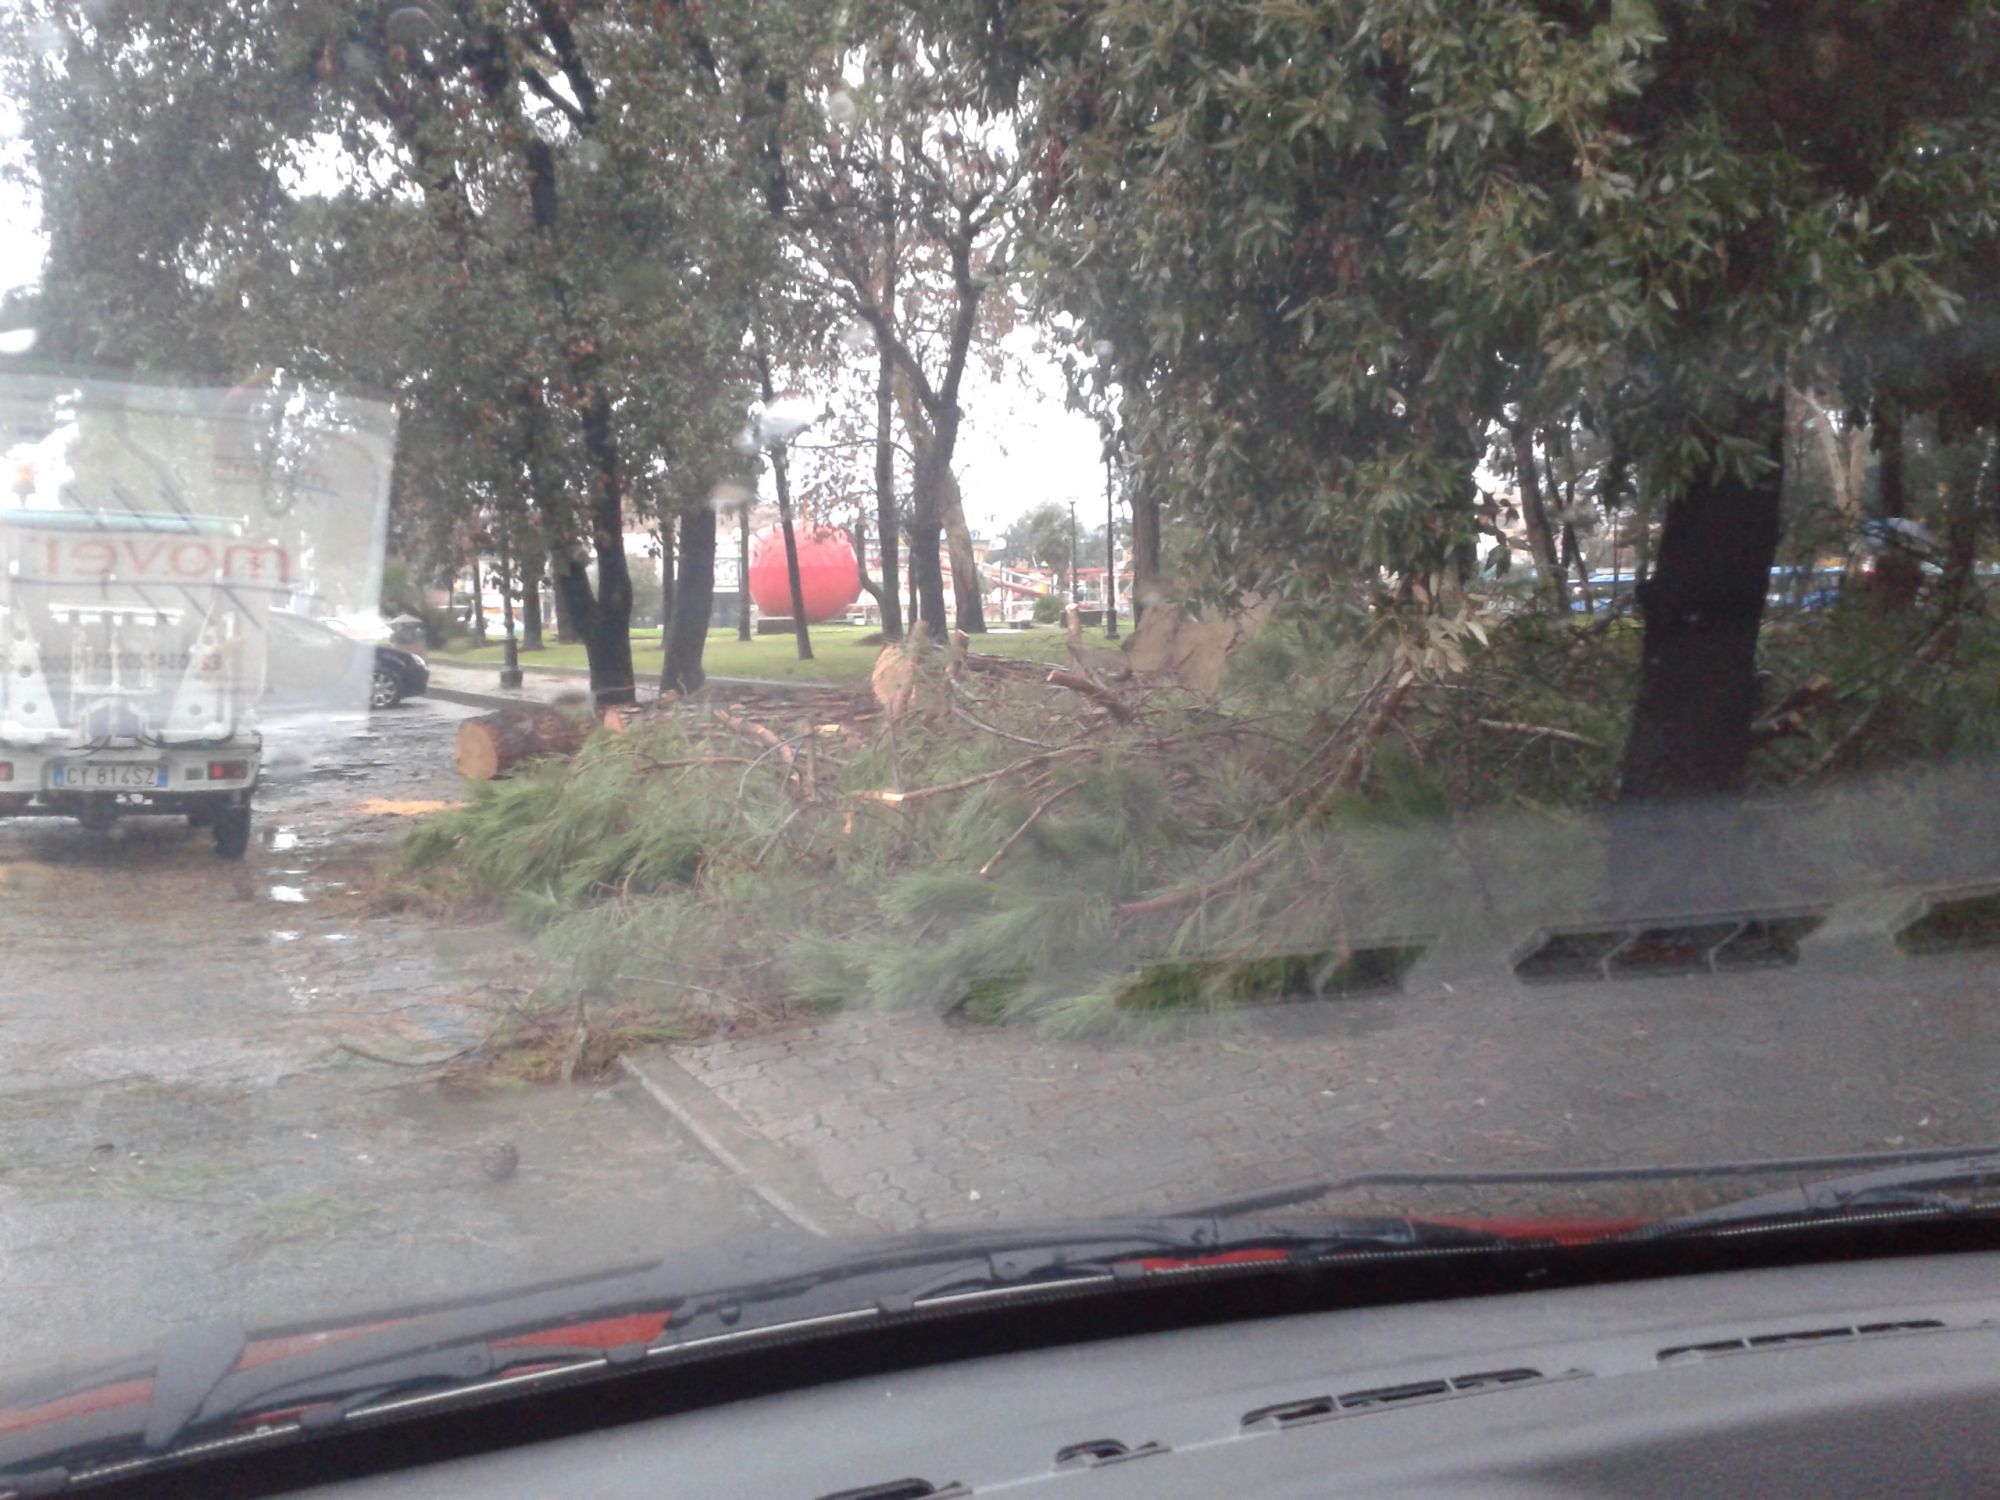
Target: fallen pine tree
x: 969, y: 836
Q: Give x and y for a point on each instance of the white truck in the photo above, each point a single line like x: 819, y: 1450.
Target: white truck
x: 132, y: 658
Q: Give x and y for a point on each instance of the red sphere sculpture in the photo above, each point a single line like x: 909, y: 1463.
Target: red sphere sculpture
x: 828, y: 578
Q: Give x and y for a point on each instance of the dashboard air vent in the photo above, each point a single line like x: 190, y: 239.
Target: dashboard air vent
x: 1750, y: 1343
x: 903, y: 1489
x: 1376, y: 1398
x: 1101, y: 1451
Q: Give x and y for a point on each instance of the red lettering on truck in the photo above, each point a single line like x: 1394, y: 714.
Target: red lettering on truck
x: 141, y: 559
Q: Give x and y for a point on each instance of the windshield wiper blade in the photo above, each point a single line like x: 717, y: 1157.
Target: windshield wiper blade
x: 985, y: 1266
x: 203, y: 1387
x: 1311, y: 1190
x: 1921, y: 1186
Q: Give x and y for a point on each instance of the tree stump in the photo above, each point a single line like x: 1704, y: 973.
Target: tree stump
x: 493, y: 744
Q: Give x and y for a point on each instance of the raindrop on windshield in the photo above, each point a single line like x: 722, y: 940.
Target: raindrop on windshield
x: 841, y: 109
x: 746, y: 441
x: 590, y: 155
x: 726, y: 499
x: 786, y: 417
x: 17, y: 341
x: 411, y: 26
x: 857, y: 338
x: 48, y: 38
x: 1104, y: 348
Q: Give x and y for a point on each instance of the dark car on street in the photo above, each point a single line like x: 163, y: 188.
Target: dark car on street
x: 314, y: 665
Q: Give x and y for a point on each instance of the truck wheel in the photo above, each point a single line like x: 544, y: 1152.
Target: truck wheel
x: 201, y: 817
x: 232, y: 832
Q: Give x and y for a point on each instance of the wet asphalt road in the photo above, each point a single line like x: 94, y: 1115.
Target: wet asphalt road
x: 186, y: 1130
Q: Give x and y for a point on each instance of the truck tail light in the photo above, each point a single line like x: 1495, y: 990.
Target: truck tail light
x: 6, y: 770
x: 228, y: 770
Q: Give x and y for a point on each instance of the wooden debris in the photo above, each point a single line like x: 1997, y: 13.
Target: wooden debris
x: 1787, y: 719
x: 1097, y: 692
x: 620, y: 717
x: 897, y: 798
x: 493, y: 744
x: 761, y: 733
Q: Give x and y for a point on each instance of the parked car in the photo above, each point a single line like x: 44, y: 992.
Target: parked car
x: 398, y: 673
x: 313, y: 665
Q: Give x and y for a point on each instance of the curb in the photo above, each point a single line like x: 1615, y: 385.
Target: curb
x: 488, y: 701
x: 497, y: 700
x: 789, y: 1186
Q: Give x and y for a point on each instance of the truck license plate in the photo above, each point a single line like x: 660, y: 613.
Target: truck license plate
x: 111, y: 776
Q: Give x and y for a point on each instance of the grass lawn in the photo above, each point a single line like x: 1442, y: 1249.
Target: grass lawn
x: 838, y: 654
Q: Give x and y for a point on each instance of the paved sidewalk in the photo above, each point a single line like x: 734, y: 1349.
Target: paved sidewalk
x: 478, y: 686
x: 911, y: 1122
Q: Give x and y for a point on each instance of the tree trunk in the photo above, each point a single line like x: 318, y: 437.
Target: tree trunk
x: 603, y: 616
x: 801, y: 631
x: 1845, y: 456
x: 887, y: 525
x: 694, y: 597
x: 607, y: 644
x: 493, y: 744
x: 667, y: 576
x: 607, y: 636
x: 478, y: 603
x: 531, y: 602
x: 1702, y: 607
x: 927, y: 573
x: 872, y: 587
x: 1897, y: 574
x: 1535, y: 517
x: 968, y: 598
x: 948, y: 507
x: 1961, y: 523
x: 566, y: 632
x: 1145, y: 549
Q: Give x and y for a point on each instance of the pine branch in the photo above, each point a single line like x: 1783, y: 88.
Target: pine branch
x: 986, y: 870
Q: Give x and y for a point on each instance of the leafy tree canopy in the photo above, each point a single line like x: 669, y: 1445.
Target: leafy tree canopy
x: 1336, y: 243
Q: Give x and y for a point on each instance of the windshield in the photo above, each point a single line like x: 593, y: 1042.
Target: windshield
x: 1005, y: 615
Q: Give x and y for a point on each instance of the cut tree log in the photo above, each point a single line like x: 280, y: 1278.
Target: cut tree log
x: 493, y: 744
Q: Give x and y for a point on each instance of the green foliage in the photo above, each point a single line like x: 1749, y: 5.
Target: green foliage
x: 540, y: 230
x: 1050, y: 608
x: 563, y: 832
x: 1337, y: 244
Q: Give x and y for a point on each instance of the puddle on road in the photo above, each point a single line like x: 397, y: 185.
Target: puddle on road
x: 284, y: 838
x: 286, y: 937
x: 287, y: 893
